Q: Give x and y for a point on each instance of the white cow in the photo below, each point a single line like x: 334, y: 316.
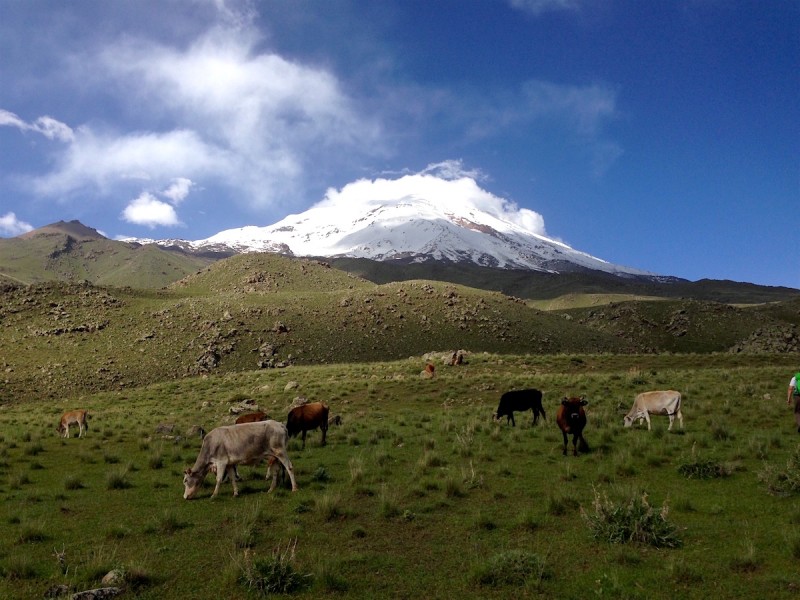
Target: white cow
x: 655, y: 403
x: 73, y: 417
x: 226, y: 447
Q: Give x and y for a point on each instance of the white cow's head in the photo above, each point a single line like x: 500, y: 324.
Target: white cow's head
x: 627, y: 421
x: 191, y: 483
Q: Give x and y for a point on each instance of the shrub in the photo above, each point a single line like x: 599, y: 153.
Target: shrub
x: 274, y: 575
x: 703, y: 469
x: 782, y: 482
x: 513, y: 567
x: 631, y: 521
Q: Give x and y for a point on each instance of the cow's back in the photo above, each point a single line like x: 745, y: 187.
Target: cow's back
x: 658, y: 401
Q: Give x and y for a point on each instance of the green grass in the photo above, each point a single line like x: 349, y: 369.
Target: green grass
x: 435, y: 500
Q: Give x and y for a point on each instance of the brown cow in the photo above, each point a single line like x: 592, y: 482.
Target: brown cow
x: 73, y: 417
x: 251, y: 417
x: 308, y: 417
x: 571, y: 419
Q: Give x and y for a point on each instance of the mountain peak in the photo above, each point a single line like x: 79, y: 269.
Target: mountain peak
x: 415, y: 218
x: 73, y: 228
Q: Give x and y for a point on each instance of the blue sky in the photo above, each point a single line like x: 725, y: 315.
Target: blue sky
x: 661, y: 135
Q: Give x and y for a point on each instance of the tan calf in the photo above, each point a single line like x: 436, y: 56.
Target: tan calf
x: 73, y: 417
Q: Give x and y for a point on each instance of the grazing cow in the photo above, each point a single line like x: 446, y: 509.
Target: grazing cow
x: 308, y: 417
x: 252, y: 417
x: 520, y: 400
x: 655, y: 403
x: 571, y: 419
x: 73, y: 417
x: 228, y: 446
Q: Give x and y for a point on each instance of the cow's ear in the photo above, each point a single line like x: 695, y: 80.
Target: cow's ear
x: 584, y: 402
x: 564, y: 401
x: 188, y: 471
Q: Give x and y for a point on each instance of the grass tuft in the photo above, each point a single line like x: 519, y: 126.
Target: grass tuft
x: 511, y: 568
x: 273, y: 575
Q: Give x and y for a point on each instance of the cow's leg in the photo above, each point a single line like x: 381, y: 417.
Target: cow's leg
x: 67, y: 436
x: 680, y: 418
x: 671, y: 419
x: 511, y: 418
x: 647, y: 418
x: 220, y: 470
x: 566, y: 441
x: 324, y: 433
x: 535, y: 416
x: 231, y: 470
x: 280, y: 454
x: 80, y: 429
x: 575, y: 444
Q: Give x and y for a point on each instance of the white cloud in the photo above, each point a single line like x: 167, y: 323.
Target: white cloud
x: 103, y: 161
x: 178, y: 190
x: 269, y: 120
x: 47, y: 126
x: 447, y: 185
x: 150, y: 211
x: 11, y: 226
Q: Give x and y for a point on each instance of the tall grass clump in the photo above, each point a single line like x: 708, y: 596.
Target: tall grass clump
x: 273, y: 575
x: 631, y: 521
x: 511, y: 568
x: 782, y: 482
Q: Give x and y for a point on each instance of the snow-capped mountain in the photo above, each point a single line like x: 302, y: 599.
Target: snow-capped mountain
x: 430, y: 218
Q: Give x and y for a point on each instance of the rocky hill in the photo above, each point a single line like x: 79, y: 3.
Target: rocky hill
x: 70, y: 251
x: 264, y: 311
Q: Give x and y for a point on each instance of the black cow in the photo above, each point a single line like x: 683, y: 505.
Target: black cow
x: 520, y: 400
x: 571, y: 419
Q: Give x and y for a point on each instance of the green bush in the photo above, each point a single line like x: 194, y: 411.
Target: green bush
x: 782, y: 482
x: 632, y: 521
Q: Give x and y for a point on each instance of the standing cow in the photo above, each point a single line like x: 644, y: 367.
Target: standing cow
x: 655, y: 403
x: 520, y: 400
x: 571, y: 419
x: 308, y: 417
x: 247, y: 444
x: 73, y: 417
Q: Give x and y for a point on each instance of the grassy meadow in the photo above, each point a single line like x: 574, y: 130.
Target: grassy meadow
x: 419, y: 493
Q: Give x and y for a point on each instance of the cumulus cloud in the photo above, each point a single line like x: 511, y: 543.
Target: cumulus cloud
x: 178, y: 190
x: 47, y: 126
x: 150, y: 211
x: 447, y: 185
x: 11, y: 226
x: 104, y: 160
x: 266, y: 119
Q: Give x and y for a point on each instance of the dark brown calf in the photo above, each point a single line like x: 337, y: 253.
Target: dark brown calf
x: 571, y: 419
x: 251, y: 418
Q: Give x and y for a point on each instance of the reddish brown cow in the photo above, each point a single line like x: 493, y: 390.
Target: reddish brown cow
x: 308, y: 417
x: 571, y: 419
x: 430, y: 370
x: 251, y: 417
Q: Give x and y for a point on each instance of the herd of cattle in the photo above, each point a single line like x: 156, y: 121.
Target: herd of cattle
x: 254, y: 437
